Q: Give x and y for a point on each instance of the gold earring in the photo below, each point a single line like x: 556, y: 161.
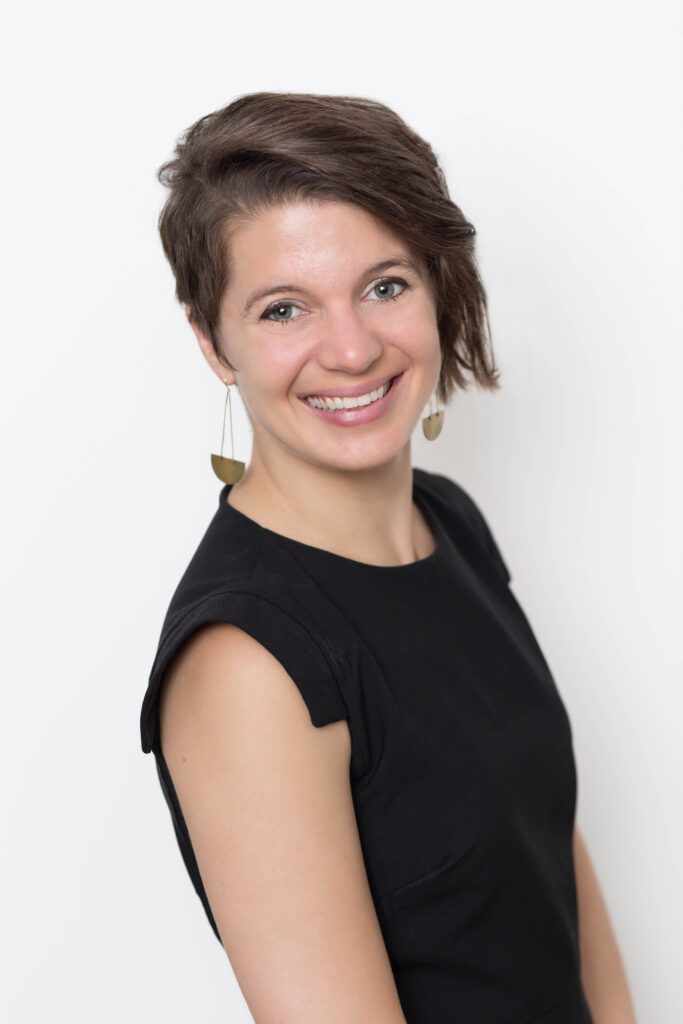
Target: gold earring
x: 227, y: 470
x: 432, y: 424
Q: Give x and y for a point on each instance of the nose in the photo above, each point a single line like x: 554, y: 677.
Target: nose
x: 346, y: 341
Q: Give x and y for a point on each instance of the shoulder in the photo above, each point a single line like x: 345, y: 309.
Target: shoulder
x: 225, y: 692
x: 451, y: 496
x: 262, y: 629
x: 239, y: 575
x: 237, y: 563
x: 463, y: 516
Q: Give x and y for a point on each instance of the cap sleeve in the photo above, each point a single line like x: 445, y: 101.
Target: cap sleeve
x: 304, y: 657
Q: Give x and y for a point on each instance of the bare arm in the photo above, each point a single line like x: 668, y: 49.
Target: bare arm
x: 267, y: 801
x: 602, y: 971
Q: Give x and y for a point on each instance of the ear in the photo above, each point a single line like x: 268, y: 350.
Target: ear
x: 223, y: 372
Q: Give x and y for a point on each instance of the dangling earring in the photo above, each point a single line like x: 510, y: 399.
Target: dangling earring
x: 227, y: 470
x: 432, y: 424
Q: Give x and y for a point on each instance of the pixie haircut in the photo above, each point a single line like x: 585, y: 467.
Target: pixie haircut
x: 267, y: 148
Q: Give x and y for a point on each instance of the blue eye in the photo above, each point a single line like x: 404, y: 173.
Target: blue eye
x: 390, y: 282
x: 277, y: 307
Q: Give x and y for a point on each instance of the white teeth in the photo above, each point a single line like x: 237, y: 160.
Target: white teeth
x: 350, y: 403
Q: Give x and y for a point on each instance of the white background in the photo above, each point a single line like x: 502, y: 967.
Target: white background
x: 557, y: 126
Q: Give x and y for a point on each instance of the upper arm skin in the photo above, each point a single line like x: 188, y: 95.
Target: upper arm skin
x: 267, y: 801
x: 603, y: 974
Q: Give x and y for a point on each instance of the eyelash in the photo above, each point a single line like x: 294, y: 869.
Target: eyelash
x: 386, y: 298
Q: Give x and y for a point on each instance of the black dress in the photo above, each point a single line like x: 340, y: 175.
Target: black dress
x: 462, y: 768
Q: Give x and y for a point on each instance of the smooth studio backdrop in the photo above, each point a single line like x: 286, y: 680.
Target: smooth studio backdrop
x: 557, y: 129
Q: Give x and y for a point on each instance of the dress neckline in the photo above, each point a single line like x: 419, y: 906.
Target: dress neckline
x: 419, y: 499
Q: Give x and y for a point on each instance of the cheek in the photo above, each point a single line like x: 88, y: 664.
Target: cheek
x: 417, y: 333
x: 273, y: 372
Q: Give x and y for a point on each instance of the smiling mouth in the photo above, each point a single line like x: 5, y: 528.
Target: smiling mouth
x: 359, y: 402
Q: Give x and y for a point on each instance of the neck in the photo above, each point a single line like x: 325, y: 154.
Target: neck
x: 367, y: 515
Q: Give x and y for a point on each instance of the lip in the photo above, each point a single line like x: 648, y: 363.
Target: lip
x: 350, y: 392
x: 364, y: 413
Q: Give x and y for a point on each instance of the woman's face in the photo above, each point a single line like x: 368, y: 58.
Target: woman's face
x: 332, y: 322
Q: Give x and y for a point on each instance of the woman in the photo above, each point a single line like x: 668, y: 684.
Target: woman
x: 368, y: 765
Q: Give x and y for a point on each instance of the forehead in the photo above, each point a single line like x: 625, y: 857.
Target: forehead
x: 321, y: 237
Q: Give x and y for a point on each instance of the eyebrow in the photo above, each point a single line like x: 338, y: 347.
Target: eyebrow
x: 376, y: 268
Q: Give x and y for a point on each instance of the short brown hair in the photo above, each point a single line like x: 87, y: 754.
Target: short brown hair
x: 267, y: 148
